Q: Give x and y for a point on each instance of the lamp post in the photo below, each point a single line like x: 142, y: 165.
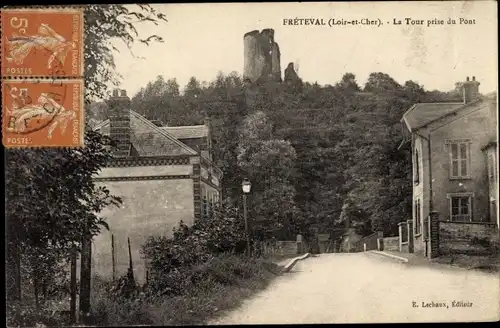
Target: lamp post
x: 246, y: 186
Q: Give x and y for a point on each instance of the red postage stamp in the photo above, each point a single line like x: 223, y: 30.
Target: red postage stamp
x: 43, y: 113
x: 42, y: 42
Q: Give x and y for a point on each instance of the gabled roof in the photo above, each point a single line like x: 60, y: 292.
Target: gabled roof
x: 187, y: 132
x: 423, y: 113
x: 147, y: 139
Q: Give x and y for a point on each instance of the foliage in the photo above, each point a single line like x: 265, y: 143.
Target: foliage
x: 104, y: 24
x: 306, y: 151
x: 168, y: 258
x: 348, y: 83
x: 28, y: 316
x: 269, y: 163
x: 201, y: 290
x: 380, y: 82
x: 53, y: 194
x: 51, y: 199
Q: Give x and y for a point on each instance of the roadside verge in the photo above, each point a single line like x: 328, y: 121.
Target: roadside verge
x: 395, y: 257
x: 294, y: 261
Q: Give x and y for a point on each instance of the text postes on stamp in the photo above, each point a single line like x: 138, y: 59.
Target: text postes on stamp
x: 42, y: 42
x: 42, y: 113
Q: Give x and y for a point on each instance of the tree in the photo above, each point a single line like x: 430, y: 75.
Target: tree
x: 192, y: 90
x: 380, y: 82
x: 269, y: 163
x: 414, y: 91
x: 52, y: 202
x: 348, y: 83
x: 172, y: 89
x: 102, y: 23
x: 52, y: 198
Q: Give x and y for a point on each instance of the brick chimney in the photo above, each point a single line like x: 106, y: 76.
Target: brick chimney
x: 119, y: 122
x: 469, y: 89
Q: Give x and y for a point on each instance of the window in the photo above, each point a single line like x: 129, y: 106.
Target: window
x: 418, y: 218
x: 417, y: 168
x: 461, y: 207
x: 459, y: 159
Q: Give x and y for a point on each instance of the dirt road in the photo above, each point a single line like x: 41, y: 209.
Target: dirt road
x: 363, y: 287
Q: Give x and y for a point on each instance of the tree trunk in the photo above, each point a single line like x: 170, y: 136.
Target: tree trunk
x: 73, y: 286
x: 13, y: 274
x: 35, y: 288
x: 85, y: 277
x: 13, y: 269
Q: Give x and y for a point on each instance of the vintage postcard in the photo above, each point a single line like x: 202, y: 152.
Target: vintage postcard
x: 251, y: 163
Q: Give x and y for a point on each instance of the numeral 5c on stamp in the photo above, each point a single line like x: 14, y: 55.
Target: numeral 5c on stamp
x: 42, y: 42
x: 42, y: 113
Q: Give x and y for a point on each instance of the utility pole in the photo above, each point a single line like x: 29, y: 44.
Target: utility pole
x: 113, y: 261
x: 245, y: 215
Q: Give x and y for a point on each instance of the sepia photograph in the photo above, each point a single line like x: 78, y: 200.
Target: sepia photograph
x: 250, y: 163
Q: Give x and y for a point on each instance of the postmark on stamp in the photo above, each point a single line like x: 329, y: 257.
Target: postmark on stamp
x: 43, y: 113
x: 42, y: 42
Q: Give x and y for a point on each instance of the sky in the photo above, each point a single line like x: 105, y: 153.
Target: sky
x: 203, y: 39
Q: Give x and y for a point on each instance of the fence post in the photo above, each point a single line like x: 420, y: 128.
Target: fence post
x: 299, y: 244
x: 400, y: 229
x: 380, y: 244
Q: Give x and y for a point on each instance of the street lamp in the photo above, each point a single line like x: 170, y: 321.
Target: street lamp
x: 246, y: 186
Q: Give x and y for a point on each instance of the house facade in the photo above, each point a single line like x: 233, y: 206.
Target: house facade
x: 163, y: 175
x: 455, y: 184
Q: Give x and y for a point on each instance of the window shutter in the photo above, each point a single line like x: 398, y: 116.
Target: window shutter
x: 454, y: 160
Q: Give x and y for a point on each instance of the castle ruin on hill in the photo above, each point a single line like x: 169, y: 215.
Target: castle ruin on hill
x: 262, y: 59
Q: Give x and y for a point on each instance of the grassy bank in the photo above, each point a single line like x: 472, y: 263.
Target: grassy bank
x: 208, y: 290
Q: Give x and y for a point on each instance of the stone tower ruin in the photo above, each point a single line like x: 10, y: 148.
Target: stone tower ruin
x: 261, y: 57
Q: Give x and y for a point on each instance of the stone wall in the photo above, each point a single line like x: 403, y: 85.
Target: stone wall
x: 286, y: 247
x: 368, y: 242
x: 459, y: 237
x: 282, y: 248
x: 391, y: 244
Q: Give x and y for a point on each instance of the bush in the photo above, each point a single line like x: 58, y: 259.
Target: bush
x: 226, y: 270
x: 192, y: 295
x: 107, y: 309
x: 170, y: 258
x: 27, y: 316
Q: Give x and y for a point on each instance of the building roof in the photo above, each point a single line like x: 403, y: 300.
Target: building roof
x: 187, y: 132
x: 147, y: 139
x: 423, y: 113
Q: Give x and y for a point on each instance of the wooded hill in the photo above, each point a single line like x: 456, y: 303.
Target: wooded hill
x: 316, y: 155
